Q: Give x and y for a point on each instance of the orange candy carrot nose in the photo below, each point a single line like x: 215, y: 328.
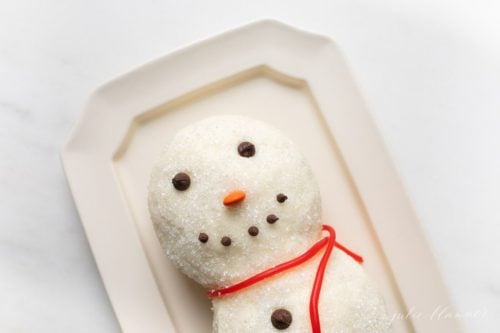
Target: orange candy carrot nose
x: 234, y: 197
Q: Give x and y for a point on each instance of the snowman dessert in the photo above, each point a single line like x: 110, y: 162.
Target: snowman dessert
x: 236, y: 208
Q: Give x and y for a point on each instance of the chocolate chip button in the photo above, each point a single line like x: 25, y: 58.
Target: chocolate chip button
x: 181, y: 181
x: 253, y: 231
x: 271, y: 218
x: 281, y: 198
x: 281, y: 319
x: 226, y: 241
x: 246, y: 149
x: 203, y: 237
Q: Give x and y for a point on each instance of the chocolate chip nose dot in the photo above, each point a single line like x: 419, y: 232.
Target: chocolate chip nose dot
x: 281, y: 319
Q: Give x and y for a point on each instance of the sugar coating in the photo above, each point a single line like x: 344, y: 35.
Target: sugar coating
x: 207, y: 152
x: 349, y: 301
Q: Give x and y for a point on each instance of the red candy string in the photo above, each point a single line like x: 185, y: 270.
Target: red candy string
x: 330, y: 243
x: 353, y: 255
x: 318, y: 281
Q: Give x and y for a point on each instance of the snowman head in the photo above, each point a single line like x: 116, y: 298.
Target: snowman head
x: 230, y: 197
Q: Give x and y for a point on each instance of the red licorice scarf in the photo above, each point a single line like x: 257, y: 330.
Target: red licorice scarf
x: 329, y: 242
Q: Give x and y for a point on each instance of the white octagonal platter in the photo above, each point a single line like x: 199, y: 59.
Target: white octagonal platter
x: 295, y: 81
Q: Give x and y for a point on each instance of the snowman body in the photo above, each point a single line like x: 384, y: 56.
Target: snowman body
x: 349, y: 301
x: 231, y: 197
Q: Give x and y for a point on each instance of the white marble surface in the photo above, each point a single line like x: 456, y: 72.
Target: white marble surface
x: 429, y: 70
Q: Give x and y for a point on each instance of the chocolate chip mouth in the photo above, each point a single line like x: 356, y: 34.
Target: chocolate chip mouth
x: 271, y: 218
x: 226, y: 241
x: 253, y: 231
x: 203, y: 237
x: 281, y: 198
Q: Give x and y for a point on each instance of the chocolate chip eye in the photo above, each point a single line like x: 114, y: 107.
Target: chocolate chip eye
x: 181, y: 181
x: 281, y: 319
x: 281, y: 198
x: 246, y: 149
